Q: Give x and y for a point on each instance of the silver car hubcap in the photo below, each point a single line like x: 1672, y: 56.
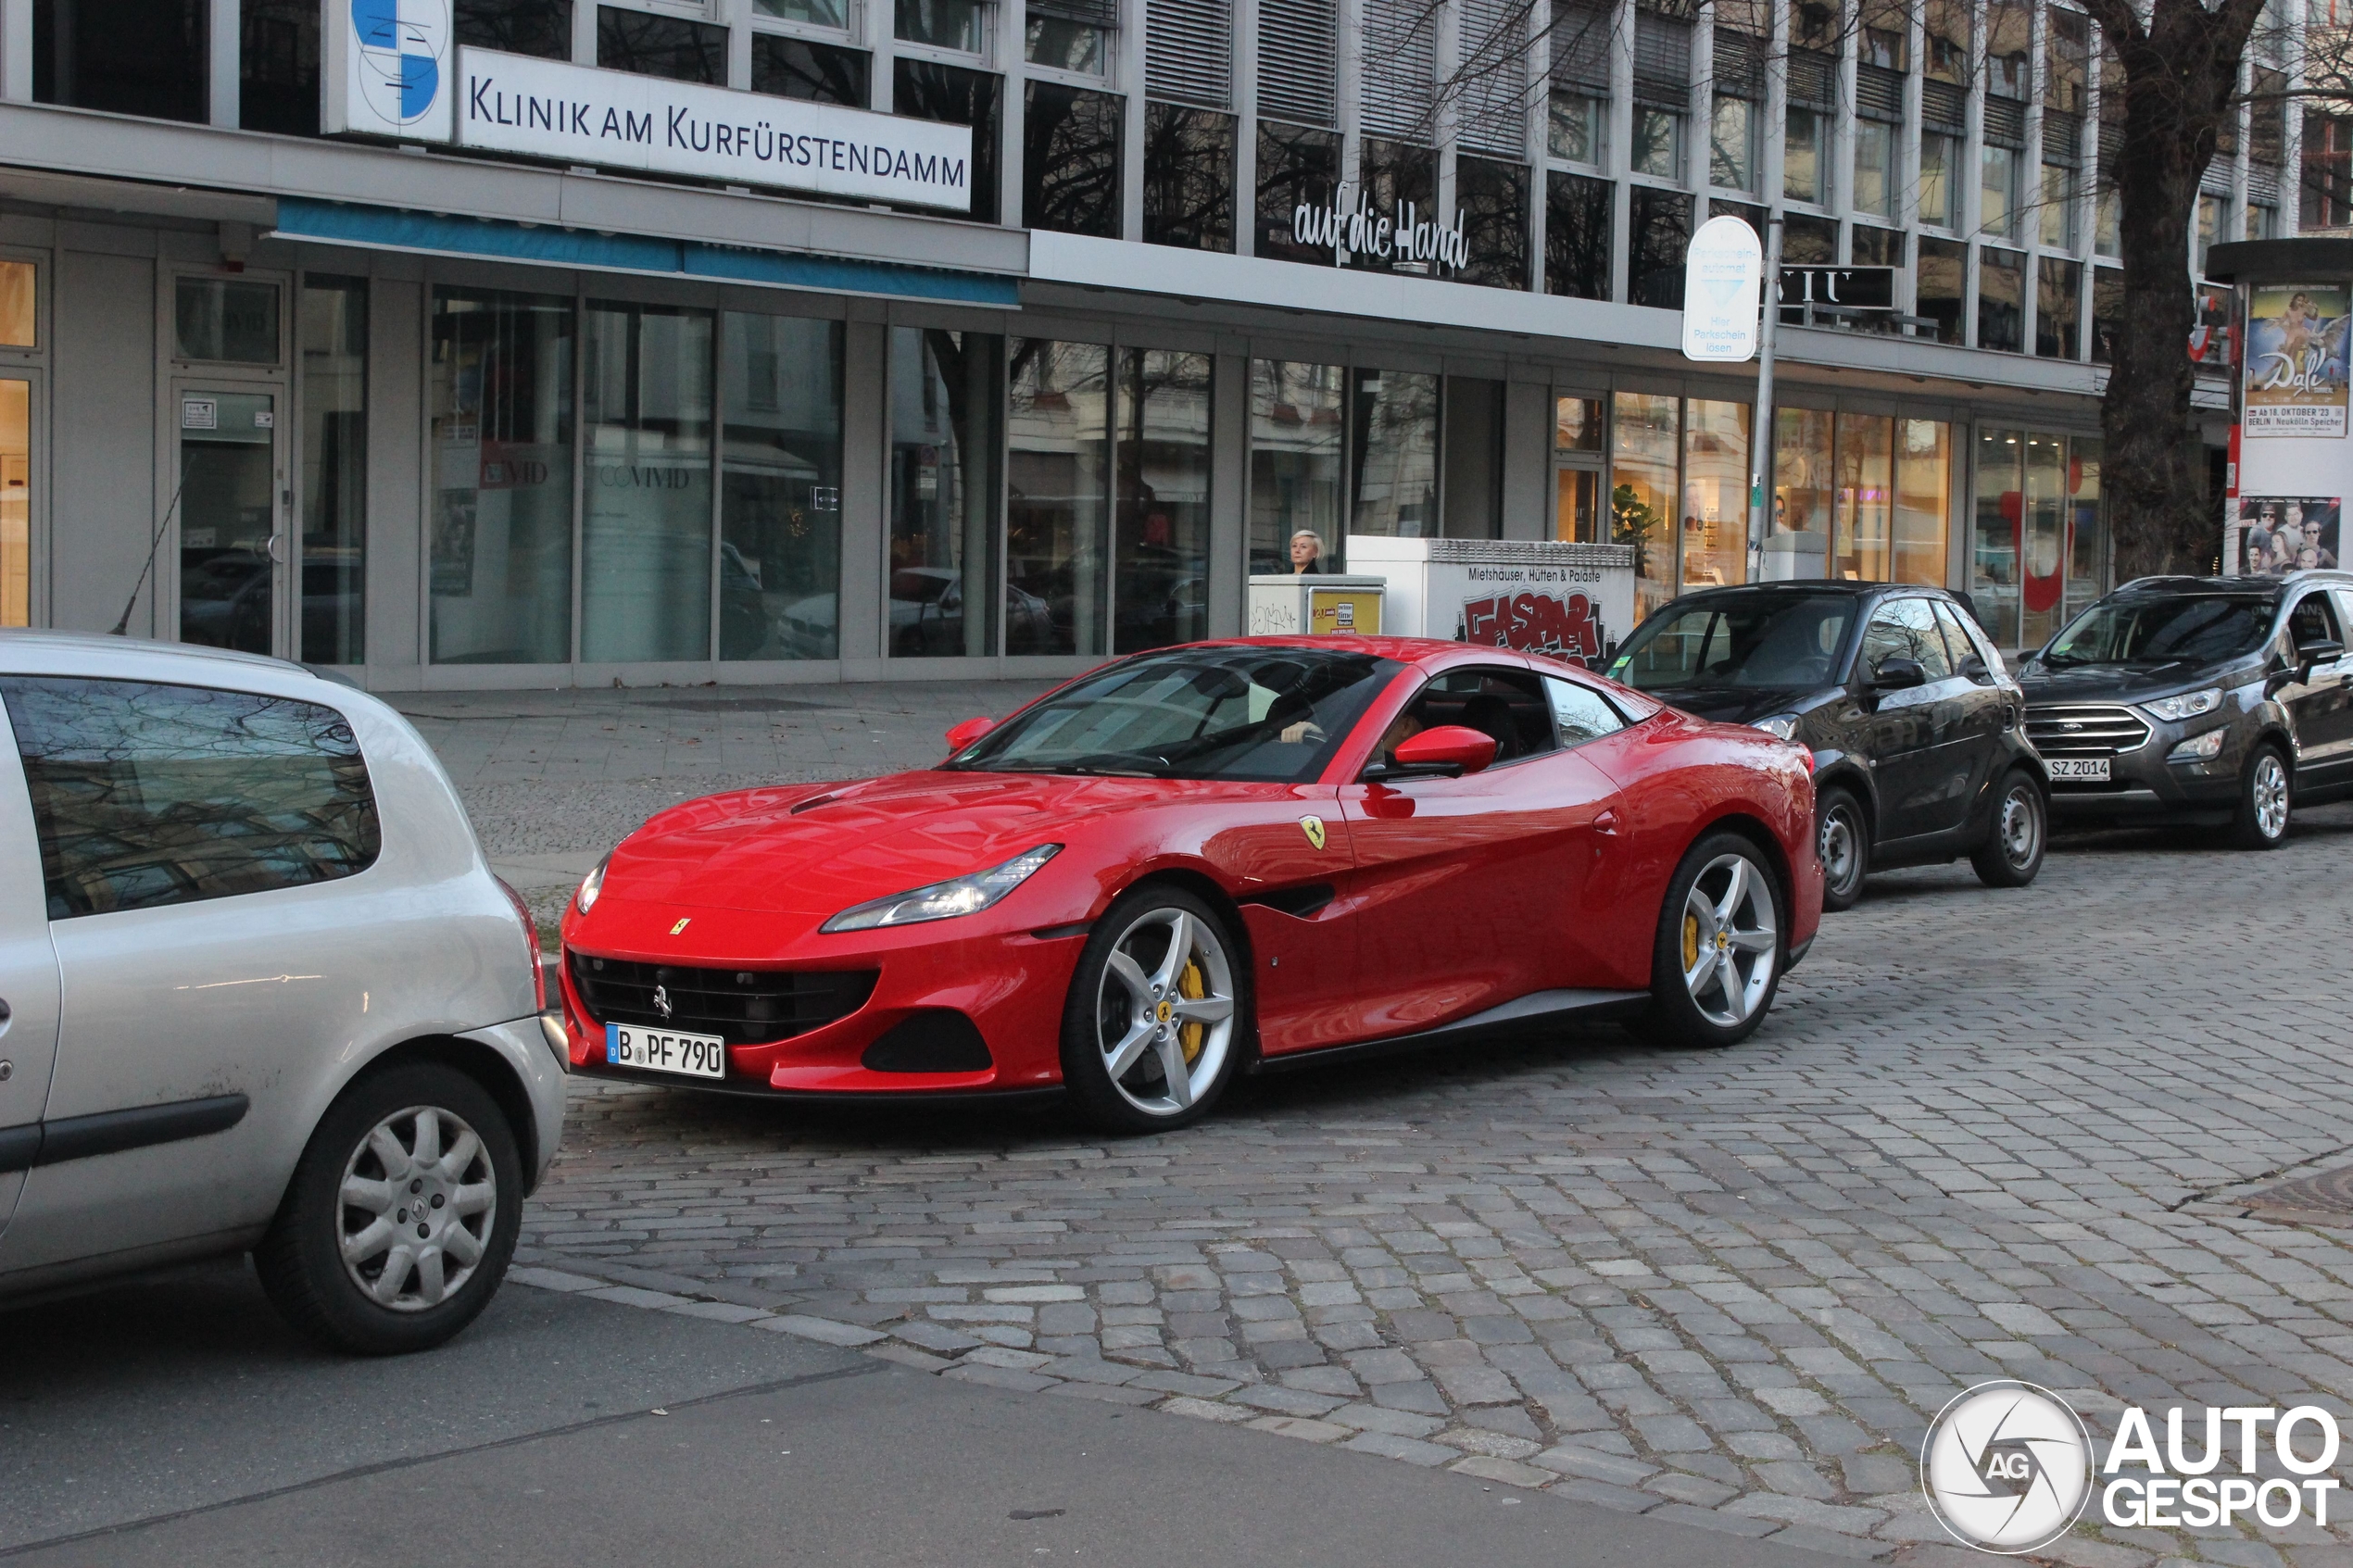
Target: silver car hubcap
x: 2022, y: 832
x: 419, y: 1198
x: 1838, y: 844
x: 2271, y: 795
x: 1729, y: 941
x: 1164, y: 1011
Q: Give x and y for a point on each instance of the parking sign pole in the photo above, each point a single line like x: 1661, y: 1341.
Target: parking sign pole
x: 1760, y: 433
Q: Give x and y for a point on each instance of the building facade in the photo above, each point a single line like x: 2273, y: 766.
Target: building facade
x: 458, y: 403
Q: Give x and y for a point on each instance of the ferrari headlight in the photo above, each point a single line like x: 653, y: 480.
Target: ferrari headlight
x: 2199, y: 748
x: 945, y: 900
x: 1781, y: 726
x: 590, y: 886
x: 2189, y: 705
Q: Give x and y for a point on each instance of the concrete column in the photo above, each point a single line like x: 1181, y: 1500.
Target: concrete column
x: 221, y: 46
x: 16, y: 50
x: 1228, y: 493
x: 865, y: 467
x: 1527, y: 461
x: 398, y: 527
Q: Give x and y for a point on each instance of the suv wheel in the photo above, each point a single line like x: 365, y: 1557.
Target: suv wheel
x: 2265, y: 796
x: 1845, y: 847
x: 2012, y: 853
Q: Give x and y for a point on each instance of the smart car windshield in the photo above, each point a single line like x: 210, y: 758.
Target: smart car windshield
x: 2163, y: 628
x: 1259, y: 714
x: 1752, y: 641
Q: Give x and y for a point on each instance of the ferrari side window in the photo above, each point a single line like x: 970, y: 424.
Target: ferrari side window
x: 1582, y: 714
x: 1506, y: 704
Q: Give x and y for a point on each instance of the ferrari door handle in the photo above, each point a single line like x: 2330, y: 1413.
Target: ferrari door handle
x: 1606, y: 822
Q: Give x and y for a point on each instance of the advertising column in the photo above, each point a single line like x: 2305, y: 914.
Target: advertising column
x: 2292, y: 453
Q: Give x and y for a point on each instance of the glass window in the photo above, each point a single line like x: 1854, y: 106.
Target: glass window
x: 1058, y: 433
x: 793, y: 67
x: 219, y: 319
x: 1577, y: 235
x: 1714, y: 494
x: 659, y: 46
x: 1160, y: 572
x: 1658, y: 143
x: 922, y: 90
x: 1659, y: 225
x: 278, y: 67
x: 2107, y: 218
x: 1473, y: 502
x: 2059, y: 206
x: 16, y: 502
x: 1188, y: 177
x: 1296, y: 167
x: 645, y: 532
x: 2087, y: 541
x: 148, y: 57
x: 520, y: 27
x: 1070, y: 160
x: 1392, y: 454
x: 1298, y: 438
x: 943, y: 24
x: 1732, y: 145
x: 816, y: 13
x: 227, y: 515
x: 1573, y: 127
x: 2210, y: 227
x: 1997, y: 191
x: 1878, y: 247
x: 1064, y: 44
x: 2059, y: 306
x: 1875, y: 167
x: 1810, y: 242
x: 1939, y: 192
x: 1939, y: 285
x: 2161, y: 628
x: 1805, y: 160
x: 2043, y: 540
x: 1579, y: 713
x: 1745, y: 641
x: 1576, y: 506
x: 1646, y: 437
x: 1923, y: 500
x: 1947, y: 26
x: 1905, y: 628
x: 18, y: 321
x: 943, y: 495
x: 2001, y: 299
x: 1576, y: 424
x: 2107, y: 310
x: 1509, y: 705
x: 1492, y: 197
x: 333, y: 327
x: 1388, y: 176
x: 1994, y: 556
x: 1959, y: 637
x: 780, y: 488
x: 2262, y: 221
x: 152, y: 795
x: 1803, y: 484
x: 1860, y: 533
x: 499, y: 557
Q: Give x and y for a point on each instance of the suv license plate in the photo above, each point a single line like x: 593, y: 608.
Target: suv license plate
x: 662, y: 1051
x: 2091, y: 769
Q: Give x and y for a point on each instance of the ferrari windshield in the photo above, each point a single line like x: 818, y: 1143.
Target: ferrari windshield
x: 1269, y: 715
x: 2163, y: 628
x: 1749, y: 640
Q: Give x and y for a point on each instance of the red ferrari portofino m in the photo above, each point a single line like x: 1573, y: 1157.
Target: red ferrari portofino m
x: 1227, y: 856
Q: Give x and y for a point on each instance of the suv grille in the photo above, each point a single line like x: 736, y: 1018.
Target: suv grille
x: 743, y: 1007
x: 2085, y: 730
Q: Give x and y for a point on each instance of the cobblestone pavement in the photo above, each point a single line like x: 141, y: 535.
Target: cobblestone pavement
x: 1983, y: 1135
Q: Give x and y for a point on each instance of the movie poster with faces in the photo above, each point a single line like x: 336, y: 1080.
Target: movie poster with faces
x: 2295, y: 381
x: 2278, y: 534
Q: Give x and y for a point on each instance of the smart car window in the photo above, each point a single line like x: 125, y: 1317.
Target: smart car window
x: 1753, y: 641
x: 2163, y: 628
x: 2312, y: 621
x: 149, y: 794
x: 1249, y: 714
x: 1580, y: 713
x: 1956, y: 637
x: 1918, y: 617
x: 1508, y: 705
x: 1885, y: 637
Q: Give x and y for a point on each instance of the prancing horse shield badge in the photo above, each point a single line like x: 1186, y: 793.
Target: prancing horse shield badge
x: 1314, y: 828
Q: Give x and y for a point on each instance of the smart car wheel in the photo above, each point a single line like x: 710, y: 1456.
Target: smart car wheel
x: 2012, y: 852
x: 1845, y: 847
x: 2264, y: 799
x: 1718, y: 958
x: 401, y: 1215
x: 1150, y: 1032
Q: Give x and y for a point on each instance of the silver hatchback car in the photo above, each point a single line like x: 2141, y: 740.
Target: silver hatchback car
x: 258, y: 990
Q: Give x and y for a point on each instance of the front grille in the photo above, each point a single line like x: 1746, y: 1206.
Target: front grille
x: 743, y: 1007
x: 2084, y: 729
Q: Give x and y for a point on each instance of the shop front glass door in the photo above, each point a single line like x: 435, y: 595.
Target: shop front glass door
x: 229, y: 483
x: 15, y: 501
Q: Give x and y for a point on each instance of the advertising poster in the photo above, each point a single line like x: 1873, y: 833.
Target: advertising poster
x: 2295, y: 360
x: 2278, y: 534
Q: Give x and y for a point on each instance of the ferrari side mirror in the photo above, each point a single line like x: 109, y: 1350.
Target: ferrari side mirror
x: 968, y: 732
x: 1450, y: 748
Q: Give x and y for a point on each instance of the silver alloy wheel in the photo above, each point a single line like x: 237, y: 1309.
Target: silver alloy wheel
x: 418, y: 1202
x: 2019, y: 830
x: 1841, y: 841
x: 2269, y: 791
x: 1164, y: 1011
x: 1729, y: 941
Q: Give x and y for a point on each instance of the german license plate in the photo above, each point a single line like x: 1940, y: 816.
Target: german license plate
x: 665, y: 1050
x: 2087, y: 769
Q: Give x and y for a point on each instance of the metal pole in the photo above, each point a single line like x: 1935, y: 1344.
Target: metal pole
x: 1760, y: 429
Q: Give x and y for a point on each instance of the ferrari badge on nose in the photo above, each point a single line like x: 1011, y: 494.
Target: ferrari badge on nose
x: 680, y: 927
x: 1314, y: 828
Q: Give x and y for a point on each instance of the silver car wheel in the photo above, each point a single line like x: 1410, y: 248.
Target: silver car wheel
x: 418, y: 1202
x: 2020, y: 828
x: 1731, y: 941
x: 2269, y: 791
x: 1842, y: 840
x: 1164, y: 1011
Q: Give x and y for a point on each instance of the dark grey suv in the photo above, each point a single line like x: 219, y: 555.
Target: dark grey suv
x: 2217, y: 700
x: 1918, y: 732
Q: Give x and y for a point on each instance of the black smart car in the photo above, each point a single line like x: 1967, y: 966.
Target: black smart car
x: 2214, y: 701
x: 1918, y: 734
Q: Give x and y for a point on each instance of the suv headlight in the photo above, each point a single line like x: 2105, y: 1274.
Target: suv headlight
x: 945, y: 900
x: 590, y: 886
x: 1781, y: 726
x: 2189, y: 705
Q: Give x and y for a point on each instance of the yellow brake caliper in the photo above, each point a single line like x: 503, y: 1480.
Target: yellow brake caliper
x: 1690, y: 942
x: 1192, y: 984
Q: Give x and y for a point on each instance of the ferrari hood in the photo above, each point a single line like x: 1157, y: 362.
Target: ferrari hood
x: 814, y: 851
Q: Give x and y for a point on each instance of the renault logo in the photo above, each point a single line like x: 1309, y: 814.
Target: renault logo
x: 662, y: 1002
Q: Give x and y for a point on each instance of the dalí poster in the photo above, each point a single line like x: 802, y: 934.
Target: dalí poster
x: 2295, y: 359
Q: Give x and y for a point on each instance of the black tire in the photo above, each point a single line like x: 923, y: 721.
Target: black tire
x: 301, y: 1259
x: 2266, y: 790
x: 1138, y: 1011
x: 1677, y: 1015
x: 2020, y: 828
x: 1844, y: 843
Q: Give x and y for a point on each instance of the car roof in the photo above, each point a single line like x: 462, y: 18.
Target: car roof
x: 1404, y: 650
x: 22, y: 649
x: 2230, y: 587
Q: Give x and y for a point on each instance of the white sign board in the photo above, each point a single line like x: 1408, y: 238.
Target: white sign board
x: 1723, y: 285
x: 385, y: 68
x: 2296, y: 458
x: 1538, y: 595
